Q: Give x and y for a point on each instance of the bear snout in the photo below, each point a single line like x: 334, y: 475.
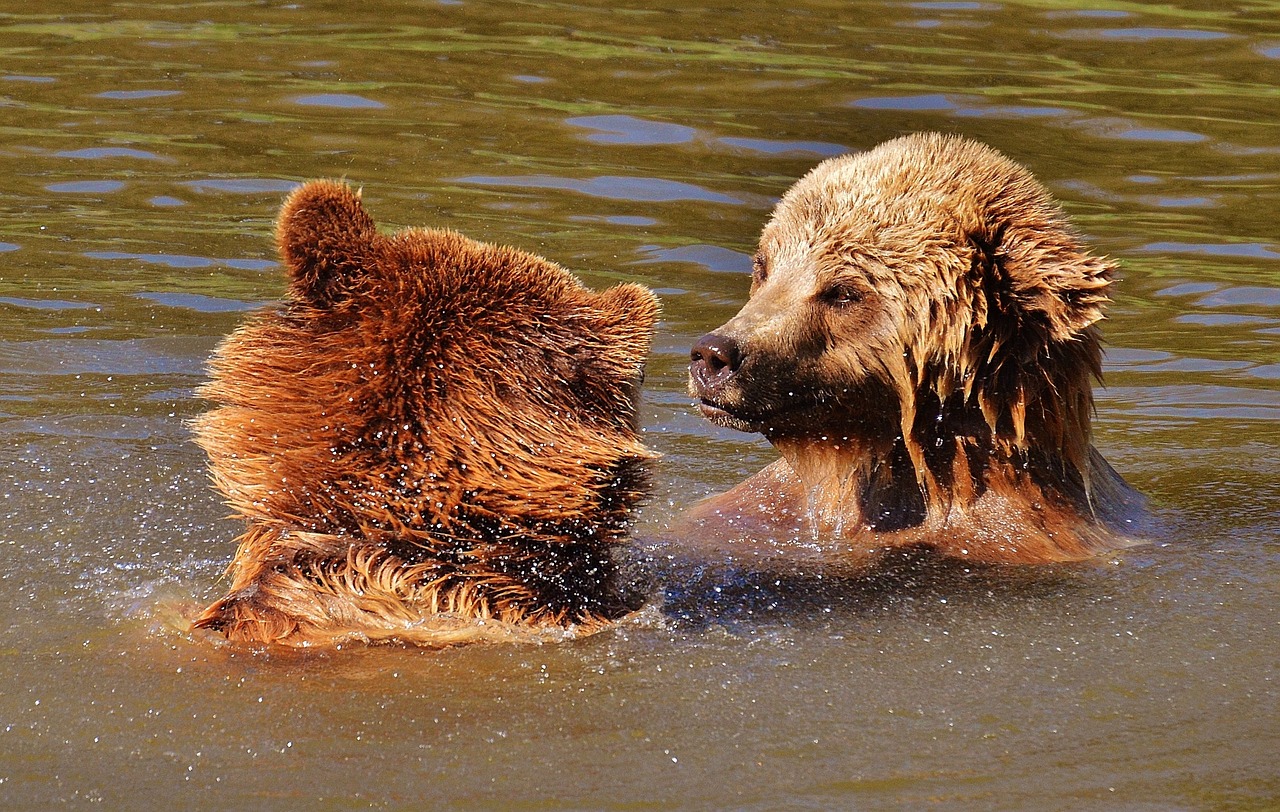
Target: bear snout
x: 712, y: 362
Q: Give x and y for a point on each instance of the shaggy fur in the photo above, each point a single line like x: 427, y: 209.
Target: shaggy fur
x: 432, y: 439
x: 919, y: 345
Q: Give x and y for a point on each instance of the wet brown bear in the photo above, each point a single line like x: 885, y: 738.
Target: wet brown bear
x: 432, y: 440
x: 919, y: 345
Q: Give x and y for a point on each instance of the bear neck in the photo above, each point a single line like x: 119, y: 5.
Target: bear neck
x: 938, y: 471
x: 853, y: 481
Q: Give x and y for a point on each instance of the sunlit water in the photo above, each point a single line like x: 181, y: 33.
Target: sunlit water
x: 145, y: 149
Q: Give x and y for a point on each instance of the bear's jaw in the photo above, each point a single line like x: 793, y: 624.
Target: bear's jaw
x: 775, y: 423
x: 753, y: 403
x: 722, y: 416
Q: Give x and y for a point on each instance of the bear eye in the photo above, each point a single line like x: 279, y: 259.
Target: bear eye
x: 840, y: 295
x: 759, y: 268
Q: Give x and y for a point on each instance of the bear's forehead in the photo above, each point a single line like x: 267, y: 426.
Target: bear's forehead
x: 840, y: 218
x: 900, y: 196
x: 883, y: 191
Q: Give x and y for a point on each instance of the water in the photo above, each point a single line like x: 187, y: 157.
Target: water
x: 145, y: 149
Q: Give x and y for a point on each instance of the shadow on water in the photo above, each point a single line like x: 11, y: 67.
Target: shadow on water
x: 739, y: 598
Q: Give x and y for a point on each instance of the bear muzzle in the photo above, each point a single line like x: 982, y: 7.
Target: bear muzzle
x: 714, y: 362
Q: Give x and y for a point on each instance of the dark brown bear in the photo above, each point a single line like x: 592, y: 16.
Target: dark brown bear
x: 919, y: 345
x: 432, y: 439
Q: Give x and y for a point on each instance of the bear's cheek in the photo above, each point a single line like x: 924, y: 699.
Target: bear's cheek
x: 861, y: 328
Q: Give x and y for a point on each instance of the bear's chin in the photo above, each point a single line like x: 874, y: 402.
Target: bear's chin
x: 723, y: 417
x: 787, y: 423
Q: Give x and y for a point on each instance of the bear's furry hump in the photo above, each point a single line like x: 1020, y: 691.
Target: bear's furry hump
x: 429, y: 432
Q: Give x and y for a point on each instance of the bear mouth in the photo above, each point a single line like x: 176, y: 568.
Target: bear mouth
x: 721, y: 415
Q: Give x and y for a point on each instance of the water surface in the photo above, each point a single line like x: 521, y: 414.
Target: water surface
x: 146, y: 148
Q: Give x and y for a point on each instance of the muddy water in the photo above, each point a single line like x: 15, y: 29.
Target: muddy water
x: 144, y: 149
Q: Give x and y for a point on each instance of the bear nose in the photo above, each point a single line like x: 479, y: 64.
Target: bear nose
x: 714, y: 358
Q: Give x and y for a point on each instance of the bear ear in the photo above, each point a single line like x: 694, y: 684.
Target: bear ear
x: 1047, y: 281
x: 326, y: 239
x: 631, y: 312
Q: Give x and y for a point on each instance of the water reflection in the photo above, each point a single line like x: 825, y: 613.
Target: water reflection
x: 346, y: 101
x: 614, y: 187
x: 181, y: 261
x: 136, y: 94
x: 86, y: 187
x: 631, y: 130
x: 96, y: 153
x: 710, y: 257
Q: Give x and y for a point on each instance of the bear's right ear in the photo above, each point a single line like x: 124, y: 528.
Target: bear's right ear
x: 629, y: 314
x: 325, y: 238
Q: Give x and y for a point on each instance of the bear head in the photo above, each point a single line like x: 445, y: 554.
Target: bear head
x: 926, y: 297
x: 460, y: 407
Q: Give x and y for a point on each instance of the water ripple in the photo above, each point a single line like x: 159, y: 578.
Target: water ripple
x: 86, y: 187
x: 1270, y: 372
x: 1221, y: 320
x: 1245, y: 295
x: 1251, y: 250
x: 347, y: 101
x: 48, y: 304
x: 1126, y: 130
x: 1187, y: 289
x: 1201, y: 401
x: 109, y: 152
x: 770, y: 147
x: 241, y: 185
x: 615, y: 219
x: 198, y: 302
x: 140, y: 356
x: 184, y: 261
x: 711, y: 257
x: 1150, y: 34
x: 919, y: 102
x: 613, y: 187
x: 137, y: 94
x: 619, y: 129
x: 1012, y: 111
x: 953, y: 5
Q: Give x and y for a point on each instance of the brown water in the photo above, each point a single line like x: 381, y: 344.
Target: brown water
x: 144, y: 149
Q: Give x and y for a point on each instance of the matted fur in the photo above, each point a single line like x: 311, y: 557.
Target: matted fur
x: 920, y: 345
x: 432, y: 439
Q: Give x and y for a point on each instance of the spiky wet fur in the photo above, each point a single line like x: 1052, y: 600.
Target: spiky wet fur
x: 432, y: 439
x: 920, y: 346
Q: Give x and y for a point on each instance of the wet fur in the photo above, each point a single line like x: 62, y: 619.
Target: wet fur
x: 920, y: 346
x: 432, y: 439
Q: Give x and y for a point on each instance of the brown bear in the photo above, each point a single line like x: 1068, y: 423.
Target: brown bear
x: 920, y: 346
x: 432, y: 440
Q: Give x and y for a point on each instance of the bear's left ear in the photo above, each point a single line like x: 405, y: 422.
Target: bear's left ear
x: 630, y: 313
x: 326, y: 239
x: 1045, y: 278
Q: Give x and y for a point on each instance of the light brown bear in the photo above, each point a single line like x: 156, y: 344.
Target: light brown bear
x: 919, y: 345
x: 432, y: 440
